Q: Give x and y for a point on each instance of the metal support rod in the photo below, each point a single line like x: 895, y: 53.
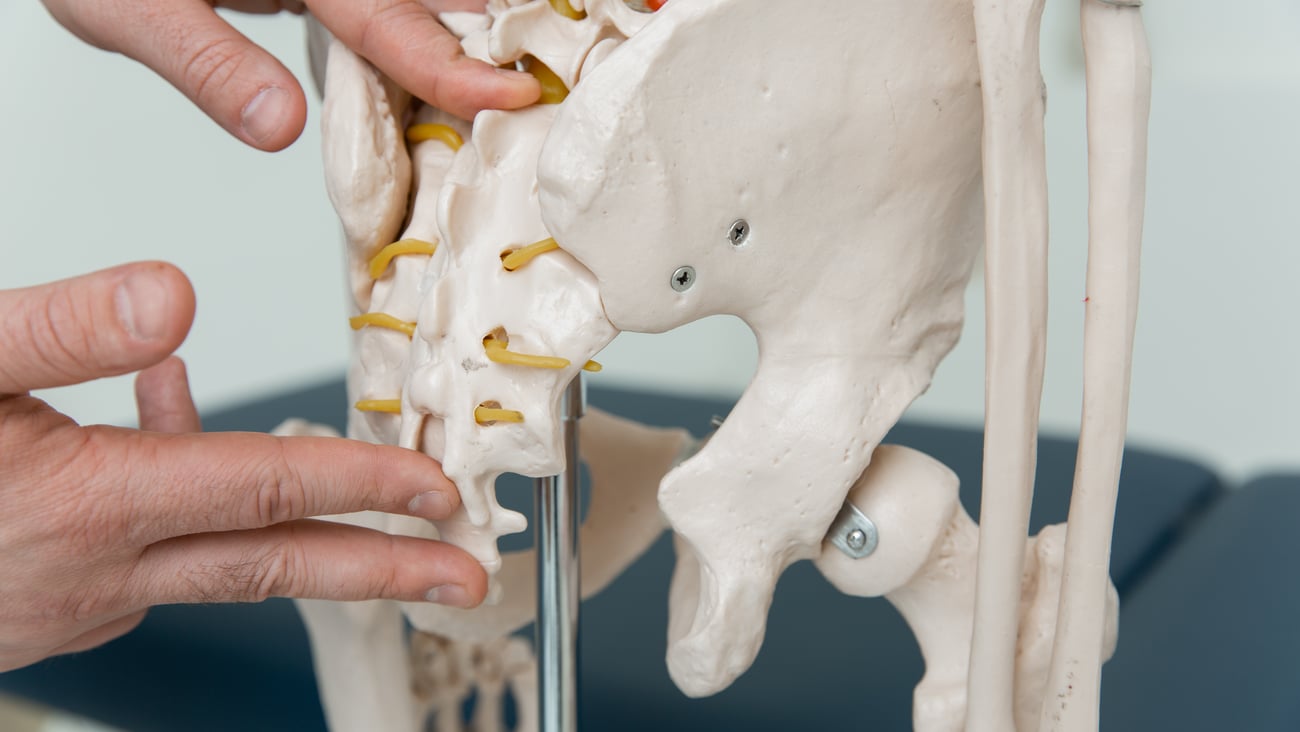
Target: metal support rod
x: 558, y: 594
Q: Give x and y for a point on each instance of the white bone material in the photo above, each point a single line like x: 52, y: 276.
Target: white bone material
x: 448, y: 673
x: 858, y: 174
x: 367, y: 169
x: 359, y: 649
x: 1015, y: 296
x: 926, y: 569
x: 625, y: 460
x: 1118, y: 64
x: 852, y: 172
x: 474, y: 205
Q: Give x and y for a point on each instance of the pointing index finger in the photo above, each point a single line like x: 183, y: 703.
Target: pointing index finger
x: 193, y: 483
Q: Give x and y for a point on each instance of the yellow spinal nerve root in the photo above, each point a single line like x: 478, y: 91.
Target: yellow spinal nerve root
x: 484, y: 414
x: 388, y: 406
x: 382, y: 320
x: 553, y: 89
x: 497, y: 353
x: 564, y: 8
x: 380, y: 261
x: 519, y: 257
x: 422, y: 133
x: 592, y: 366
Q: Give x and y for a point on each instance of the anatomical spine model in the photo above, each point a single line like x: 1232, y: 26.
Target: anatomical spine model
x: 819, y: 171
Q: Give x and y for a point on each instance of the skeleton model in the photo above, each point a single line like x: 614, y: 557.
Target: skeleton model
x: 822, y: 171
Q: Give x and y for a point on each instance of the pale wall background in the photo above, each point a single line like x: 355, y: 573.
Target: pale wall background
x: 102, y: 163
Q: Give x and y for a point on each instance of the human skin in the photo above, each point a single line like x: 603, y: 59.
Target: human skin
x: 253, y: 96
x: 100, y: 522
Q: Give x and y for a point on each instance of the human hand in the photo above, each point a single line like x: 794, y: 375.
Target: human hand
x: 99, y: 523
x: 253, y: 96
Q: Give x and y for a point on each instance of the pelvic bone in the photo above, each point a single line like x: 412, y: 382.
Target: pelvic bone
x: 853, y: 296
x: 840, y: 222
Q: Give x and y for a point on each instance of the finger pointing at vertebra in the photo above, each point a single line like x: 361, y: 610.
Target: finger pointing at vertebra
x: 312, y: 559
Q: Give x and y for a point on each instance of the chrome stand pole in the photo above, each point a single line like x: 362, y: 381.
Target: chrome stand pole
x: 557, y: 577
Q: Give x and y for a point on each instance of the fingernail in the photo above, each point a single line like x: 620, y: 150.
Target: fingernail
x: 264, y: 116
x: 141, y: 302
x: 433, y: 504
x: 451, y: 595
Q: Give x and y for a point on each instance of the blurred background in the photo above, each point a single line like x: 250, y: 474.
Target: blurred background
x: 102, y: 163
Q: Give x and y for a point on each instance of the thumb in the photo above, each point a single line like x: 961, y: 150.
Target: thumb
x: 111, y: 322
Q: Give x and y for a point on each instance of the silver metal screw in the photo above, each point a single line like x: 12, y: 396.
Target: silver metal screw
x: 853, y: 533
x: 683, y: 278
x: 856, y: 539
x: 739, y: 232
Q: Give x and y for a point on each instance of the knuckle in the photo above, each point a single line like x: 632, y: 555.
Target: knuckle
x: 64, y: 329
x: 86, y: 604
x: 126, y: 508
x: 33, y: 434
x: 260, y: 574
x: 96, y: 451
x: 43, y: 488
x: 279, y: 495
x: 385, y: 581
x: 274, y: 573
x: 80, y: 511
x: 49, y: 331
x: 82, y: 606
x: 210, y: 66
x: 368, y: 488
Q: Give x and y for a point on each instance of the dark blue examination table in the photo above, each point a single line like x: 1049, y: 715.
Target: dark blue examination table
x: 1209, y: 626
